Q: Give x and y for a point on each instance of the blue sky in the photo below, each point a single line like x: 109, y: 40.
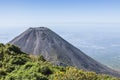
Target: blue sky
x: 21, y: 13
x: 59, y: 15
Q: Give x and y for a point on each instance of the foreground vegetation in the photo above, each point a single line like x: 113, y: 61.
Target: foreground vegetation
x: 16, y: 65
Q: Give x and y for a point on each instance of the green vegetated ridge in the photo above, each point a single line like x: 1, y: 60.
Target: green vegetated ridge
x: 16, y: 65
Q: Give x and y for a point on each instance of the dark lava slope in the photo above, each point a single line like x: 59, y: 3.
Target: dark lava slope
x: 43, y: 41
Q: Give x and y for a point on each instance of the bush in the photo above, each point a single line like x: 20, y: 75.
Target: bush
x: 18, y: 61
x: 2, y: 45
x: 10, y: 69
x: 13, y: 48
x: 0, y: 64
x: 2, y: 72
x: 45, y: 70
x: 41, y: 58
x: 28, y: 65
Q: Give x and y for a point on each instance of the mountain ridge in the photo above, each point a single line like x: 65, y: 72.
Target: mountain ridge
x: 45, y: 42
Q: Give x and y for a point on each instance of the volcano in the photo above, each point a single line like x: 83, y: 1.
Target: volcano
x: 45, y: 42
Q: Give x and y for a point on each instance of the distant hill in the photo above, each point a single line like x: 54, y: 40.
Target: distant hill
x: 17, y: 65
x: 45, y: 42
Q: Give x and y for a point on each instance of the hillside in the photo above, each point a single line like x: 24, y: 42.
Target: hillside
x: 45, y: 42
x: 16, y: 65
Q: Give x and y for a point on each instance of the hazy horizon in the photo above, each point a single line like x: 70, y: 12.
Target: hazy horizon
x: 17, y: 16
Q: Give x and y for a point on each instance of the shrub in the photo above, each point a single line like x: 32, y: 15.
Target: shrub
x: 18, y: 61
x: 45, y: 70
x: 10, y: 69
x: 13, y: 48
x: 41, y: 58
x: 2, y: 72
x: 28, y: 65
